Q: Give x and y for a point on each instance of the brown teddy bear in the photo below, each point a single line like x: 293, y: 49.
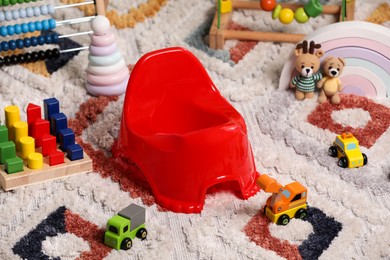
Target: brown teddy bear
x: 330, y: 84
x: 307, y: 63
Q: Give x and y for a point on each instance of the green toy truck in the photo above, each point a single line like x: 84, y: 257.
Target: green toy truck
x: 122, y: 228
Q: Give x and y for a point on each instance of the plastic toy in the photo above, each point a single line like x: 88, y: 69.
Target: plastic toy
x: 330, y: 84
x: 124, y: 227
x: 286, y: 12
x: 307, y: 63
x: 183, y: 135
x: 35, y: 158
x: 364, y: 46
x: 107, y: 73
x: 286, y: 202
x: 346, y: 148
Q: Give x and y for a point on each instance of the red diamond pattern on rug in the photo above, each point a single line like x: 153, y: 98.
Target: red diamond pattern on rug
x: 367, y: 135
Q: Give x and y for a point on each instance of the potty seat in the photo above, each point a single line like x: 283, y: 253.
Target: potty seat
x: 182, y: 134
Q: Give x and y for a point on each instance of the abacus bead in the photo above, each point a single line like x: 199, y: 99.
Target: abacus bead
x: 47, y: 38
x: 19, y: 44
x: 10, y: 29
x: 17, y: 28
x: 37, y: 11
x: 4, y: 46
x: 15, y: 14
x: 34, y: 41
x: 45, y: 25
x: 3, y: 31
x: 52, y: 23
x: 54, y: 38
x: 12, y: 2
x: 2, y: 17
x: 7, y: 60
x: 41, y: 40
x: 27, y: 42
x: 38, y: 26
x: 5, y: 2
x: 44, y: 10
x: 22, y: 13
x: 12, y: 44
x: 27, y: 1
x: 41, y: 55
x: 34, y: 56
x: 55, y: 53
x: 8, y: 15
x: 27, y: 57
x: 31, y: 27
x: 1, y: 62
x: 29, y: 12
x: 49, y: 54
x: 20, y: 1
x: 21, y: 58
x: 24, y: 28
x: 51, y: 9
x: 14, y: 59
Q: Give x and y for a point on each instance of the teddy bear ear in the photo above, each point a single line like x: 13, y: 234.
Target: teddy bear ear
x: 342, y: 61
x: 319, y: 53
x: 298, y: 52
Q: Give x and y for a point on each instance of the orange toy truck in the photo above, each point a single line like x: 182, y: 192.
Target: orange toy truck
x: 286, y: 202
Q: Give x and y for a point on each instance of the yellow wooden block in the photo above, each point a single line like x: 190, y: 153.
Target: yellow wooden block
x: 27, y: 144
x: 21, y: 130
x: 35, y: 161
x: 12, y: 115
x: 226, y: 6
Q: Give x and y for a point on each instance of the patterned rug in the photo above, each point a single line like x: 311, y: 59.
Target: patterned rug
x: 65, y: 219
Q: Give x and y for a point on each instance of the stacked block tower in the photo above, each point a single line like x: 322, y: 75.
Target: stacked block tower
x: 107, y: 73
x: 28, y: 148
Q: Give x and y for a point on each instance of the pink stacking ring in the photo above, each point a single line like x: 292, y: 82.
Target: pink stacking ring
x: 111, y: 90
x: 104, y: 80
x: 106, y: 70
x: 102, y: 50
x: 105, y: 40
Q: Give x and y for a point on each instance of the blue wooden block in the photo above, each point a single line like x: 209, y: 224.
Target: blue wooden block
x: 66, y: 138
x: 58, y: 121
x: 51, y: 107
x: 74, y: 152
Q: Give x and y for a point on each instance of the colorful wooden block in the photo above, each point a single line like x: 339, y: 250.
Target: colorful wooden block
x: 13, y: 165
x: 33, y: 113
x: 51, y: 107
x: 35, y: 161
x: 12, y: 115
x: 49, y: 144
x: 7, y: 151
x: 39, y: 128
x: 27, y: 144
x: 21, y: 130
x: 3, y: 133
x: 57, y: 122
x: 66, y: 137
x: 56, y: 157
x: 74, y: 152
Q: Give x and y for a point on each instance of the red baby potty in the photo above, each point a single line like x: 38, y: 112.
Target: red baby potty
x: 182, y: 134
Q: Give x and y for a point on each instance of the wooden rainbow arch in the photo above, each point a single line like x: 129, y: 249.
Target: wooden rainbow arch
x: 366, y: 49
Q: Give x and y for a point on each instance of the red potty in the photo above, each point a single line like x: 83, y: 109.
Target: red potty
x: 182, y: 134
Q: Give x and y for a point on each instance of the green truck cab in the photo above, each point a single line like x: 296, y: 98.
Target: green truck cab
x: 125, y: 226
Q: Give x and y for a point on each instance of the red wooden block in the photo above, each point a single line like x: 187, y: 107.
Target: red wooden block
x: 56, y: 157
x: 49, y: 144
x: 33, y: 113
x: 38, y: 129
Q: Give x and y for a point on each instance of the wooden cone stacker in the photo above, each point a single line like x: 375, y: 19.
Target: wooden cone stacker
x: 218, y: 36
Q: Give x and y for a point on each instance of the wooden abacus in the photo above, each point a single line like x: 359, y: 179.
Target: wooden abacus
x: 219, y: 31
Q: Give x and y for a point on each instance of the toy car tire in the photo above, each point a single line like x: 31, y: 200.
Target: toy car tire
x: 301, y: 214
x: 365, y: 159
x: 283, y: 220
x: 343, y: 162
x: 332, y: 151
x: 142, y: 233
x: 126, y: 244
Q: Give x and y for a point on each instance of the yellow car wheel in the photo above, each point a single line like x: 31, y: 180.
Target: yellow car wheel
x: 343, y: 162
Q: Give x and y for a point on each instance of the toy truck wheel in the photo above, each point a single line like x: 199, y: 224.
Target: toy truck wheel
x: 343, y: 162
x: 142, y: 233
x: 332, y: 151
x: 365, y: 159
x: 301, y: 214
x: 126, y: 244
x: 283, y: 220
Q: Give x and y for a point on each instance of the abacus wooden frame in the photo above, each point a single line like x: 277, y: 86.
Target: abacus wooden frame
x: 217, y: 37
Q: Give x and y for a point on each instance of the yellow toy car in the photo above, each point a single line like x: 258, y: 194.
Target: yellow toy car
x: 346, y: 148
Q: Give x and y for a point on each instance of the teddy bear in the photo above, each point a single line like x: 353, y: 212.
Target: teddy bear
x: 307, y: 63
x: 330, y: 84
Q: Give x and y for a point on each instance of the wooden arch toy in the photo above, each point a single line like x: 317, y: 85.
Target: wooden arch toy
x: 366, y: 50
x: 219, y: 31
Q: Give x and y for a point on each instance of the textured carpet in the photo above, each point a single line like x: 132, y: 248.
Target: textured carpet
x: 349, y: 209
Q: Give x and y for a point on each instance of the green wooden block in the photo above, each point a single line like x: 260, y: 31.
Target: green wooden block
x: 7, y: 151
x: 313, y: 8
x: 13, y: 165
x: 3, y: 134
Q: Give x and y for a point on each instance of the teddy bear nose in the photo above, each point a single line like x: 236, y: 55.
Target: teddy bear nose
x: 333, y: 72
x: 307, y: 70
